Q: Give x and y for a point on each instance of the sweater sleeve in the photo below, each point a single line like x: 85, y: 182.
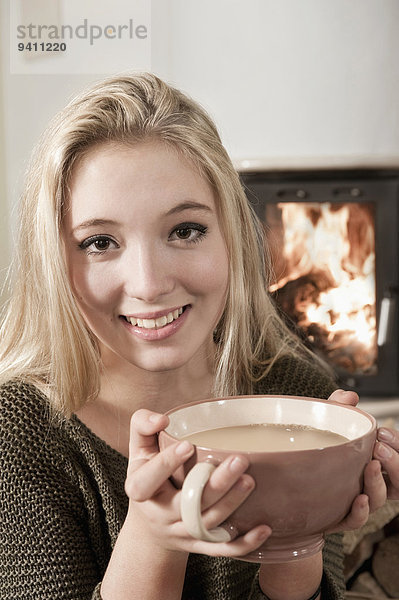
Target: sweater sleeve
x: 45, y: 544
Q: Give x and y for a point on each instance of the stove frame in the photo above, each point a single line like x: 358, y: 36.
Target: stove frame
x: 381, y: 188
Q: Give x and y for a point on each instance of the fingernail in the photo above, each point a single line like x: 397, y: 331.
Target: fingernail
x: 385, y: 435
x: 238, y: 465
x: 383, y: 451
x: 245, y: 483
x: 154, y: 418
x: 364, y: 501
x: 264, y: 532
x: 184, y: 448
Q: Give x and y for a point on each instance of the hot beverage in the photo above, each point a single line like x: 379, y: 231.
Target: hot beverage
x: 266, y: 438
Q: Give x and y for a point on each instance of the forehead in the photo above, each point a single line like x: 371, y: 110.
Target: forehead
x: 149, y: 172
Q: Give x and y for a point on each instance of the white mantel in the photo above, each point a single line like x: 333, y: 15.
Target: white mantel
x: 381, y: 408
x: 308, y: 163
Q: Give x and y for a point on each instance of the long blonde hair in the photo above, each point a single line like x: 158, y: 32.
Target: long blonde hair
x: 44, y: 338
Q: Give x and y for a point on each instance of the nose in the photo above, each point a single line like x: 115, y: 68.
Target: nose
x: 147, y: 272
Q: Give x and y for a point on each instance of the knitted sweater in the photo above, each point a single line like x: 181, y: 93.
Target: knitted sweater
x: 62, y: 504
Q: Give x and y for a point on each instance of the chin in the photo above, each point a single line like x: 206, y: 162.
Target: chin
x: 160, y: 364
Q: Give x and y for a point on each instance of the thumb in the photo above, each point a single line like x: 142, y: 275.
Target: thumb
x: 144, y: 427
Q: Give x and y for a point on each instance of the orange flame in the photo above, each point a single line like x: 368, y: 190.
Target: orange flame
x: 327, y: 283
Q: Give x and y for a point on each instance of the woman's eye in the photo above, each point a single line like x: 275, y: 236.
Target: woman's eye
x: 189, y: 232
x: 97, y: 244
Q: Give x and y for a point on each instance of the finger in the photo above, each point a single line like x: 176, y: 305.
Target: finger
x: 344, y: 397
x: 144, y: 425
x: 389, y: 460
x: 374, y: 485
x: 143, y: 483
x: 222, y: 510
x: 240, y: 546
x: 357, y: 517
x: 389, y: 436
x: 223, y: 478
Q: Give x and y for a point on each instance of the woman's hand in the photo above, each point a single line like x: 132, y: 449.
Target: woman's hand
x: 386, y: 451
x: 154, y: 502
x: 378, y: 486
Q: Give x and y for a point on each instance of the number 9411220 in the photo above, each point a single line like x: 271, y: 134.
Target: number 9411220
x: 42, y: 47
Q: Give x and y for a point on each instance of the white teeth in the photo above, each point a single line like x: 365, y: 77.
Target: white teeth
x: 156, y: 323
x: 161, y: 322
x: 149, y: 323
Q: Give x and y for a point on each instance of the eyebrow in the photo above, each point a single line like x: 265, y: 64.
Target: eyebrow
x: 189, y: 205
x: 94, y: 223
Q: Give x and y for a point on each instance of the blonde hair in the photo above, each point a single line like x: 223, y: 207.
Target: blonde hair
x: 44, y: 338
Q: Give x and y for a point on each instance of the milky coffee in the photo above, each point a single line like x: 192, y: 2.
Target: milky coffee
x: 265, y: 438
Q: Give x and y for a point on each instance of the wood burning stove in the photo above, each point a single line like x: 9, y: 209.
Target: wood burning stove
x: 334, y: 242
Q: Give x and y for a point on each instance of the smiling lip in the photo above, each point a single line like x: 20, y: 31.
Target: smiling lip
x: 159, y: 326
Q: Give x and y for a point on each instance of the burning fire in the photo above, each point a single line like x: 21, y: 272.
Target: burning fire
x: 326, y: 278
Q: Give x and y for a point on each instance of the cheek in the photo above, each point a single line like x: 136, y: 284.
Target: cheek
x: 92, y: 288
x: 218, y: 278
x: 220, y: 267
x: 210, y: 277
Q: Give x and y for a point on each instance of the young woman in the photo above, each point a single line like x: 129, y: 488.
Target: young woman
x: 140, y: 285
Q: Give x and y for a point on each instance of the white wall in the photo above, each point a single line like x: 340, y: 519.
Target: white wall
x: 293, y: 77
x: 282, y: 78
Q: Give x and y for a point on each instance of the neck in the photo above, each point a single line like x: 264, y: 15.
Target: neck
x: 158, y: 392
x: 124, y: 388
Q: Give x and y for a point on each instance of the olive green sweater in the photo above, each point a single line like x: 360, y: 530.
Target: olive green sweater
x: 62, y: 505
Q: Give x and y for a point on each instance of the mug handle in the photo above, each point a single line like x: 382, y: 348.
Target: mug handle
x: 190, y: 505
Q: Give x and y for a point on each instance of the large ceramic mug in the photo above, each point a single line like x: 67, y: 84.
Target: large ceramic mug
x: 298, y: 493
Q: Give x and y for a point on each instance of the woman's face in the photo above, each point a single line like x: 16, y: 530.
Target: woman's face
x: 146, y: 257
